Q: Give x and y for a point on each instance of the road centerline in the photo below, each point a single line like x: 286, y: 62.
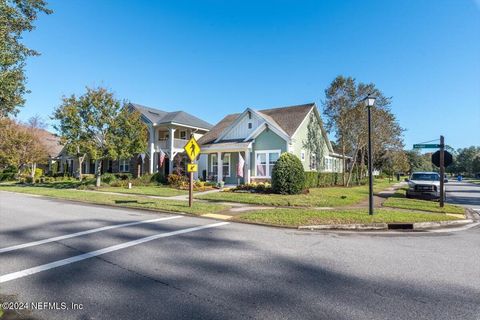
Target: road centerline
x: 81, y: 233
x: 91, y: 254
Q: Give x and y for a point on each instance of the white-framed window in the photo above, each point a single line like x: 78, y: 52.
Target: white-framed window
x: 124, y: 165
x: 302, y: 155
x: 226, y: 165
x: 264, y: 162
x: 249, y: 125
x: 214, y: 164
x: 183, y: 134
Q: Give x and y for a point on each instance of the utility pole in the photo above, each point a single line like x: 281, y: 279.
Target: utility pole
x: 442, y: 171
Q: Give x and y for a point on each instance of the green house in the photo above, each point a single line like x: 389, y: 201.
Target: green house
x: 244, y: 147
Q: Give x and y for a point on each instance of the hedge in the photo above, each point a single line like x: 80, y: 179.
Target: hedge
x: 315, y: 179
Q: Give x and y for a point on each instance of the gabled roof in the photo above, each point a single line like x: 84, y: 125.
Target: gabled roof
x: 287, y: 118
x: 156, y: 117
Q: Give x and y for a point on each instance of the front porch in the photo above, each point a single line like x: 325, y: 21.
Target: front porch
x: 224, y: 163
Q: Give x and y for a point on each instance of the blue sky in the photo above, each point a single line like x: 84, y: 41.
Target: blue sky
x: 211, y: 57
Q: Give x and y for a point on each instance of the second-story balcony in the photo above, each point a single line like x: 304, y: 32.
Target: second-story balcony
x: 177, y: 143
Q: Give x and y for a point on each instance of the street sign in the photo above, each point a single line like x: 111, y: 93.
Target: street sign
x: 448, y: 159
x: 426, y: 146
x: 192, y: 149
x: 192, y: 167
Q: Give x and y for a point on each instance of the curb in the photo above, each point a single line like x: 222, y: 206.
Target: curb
x: 418, y: 226
x: 364, y: 227
x: 440, y: 224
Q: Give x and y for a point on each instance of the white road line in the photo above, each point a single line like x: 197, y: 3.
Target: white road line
x: 81, y: 233
x: 91, y: 254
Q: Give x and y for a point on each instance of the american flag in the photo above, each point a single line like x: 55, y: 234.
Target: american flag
x: 241, y: 164
x: 162, y: 157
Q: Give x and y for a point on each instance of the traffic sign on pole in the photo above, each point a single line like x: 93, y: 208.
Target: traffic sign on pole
x: 425, y: 146
x: 193, y: 150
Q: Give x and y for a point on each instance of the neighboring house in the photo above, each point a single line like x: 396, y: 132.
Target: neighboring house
x: 259, y: 137
x: 168, y: 132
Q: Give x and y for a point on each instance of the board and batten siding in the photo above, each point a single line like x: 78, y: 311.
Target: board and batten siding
x: 241, y: 130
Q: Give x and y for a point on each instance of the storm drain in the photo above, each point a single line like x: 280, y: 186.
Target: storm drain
x: 400, y: 226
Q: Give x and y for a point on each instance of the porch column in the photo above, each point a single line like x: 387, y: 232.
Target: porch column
x: 171, y: 142
x: 152, y: 149
x: 247, y: 166
x: 219, y: 167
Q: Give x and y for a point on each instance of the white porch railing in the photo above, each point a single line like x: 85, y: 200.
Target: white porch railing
x: 177, y: 143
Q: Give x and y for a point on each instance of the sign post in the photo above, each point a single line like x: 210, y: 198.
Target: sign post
x: 193, y: 150
x: 442, y: 171
x: 441, y: 159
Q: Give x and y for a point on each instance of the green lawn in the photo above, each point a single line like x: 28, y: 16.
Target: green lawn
x: 399, y: 201
x: 161, y: 191
x: 305, y: 217
x: 318, y: 197
x: 130, y: 201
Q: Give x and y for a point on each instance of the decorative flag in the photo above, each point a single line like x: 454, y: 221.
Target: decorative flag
x: 241, y: 164
x: 162, y: 157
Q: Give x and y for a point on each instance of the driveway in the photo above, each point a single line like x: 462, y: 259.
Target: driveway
x: 131, y: 264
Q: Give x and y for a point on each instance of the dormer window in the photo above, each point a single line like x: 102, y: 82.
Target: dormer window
x: 249, y: 125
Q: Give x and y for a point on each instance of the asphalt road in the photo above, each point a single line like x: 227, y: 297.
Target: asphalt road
x: 227, y: 271
x: 463, y: 193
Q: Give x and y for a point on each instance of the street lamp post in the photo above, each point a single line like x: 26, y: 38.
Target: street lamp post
x: 369, y: 102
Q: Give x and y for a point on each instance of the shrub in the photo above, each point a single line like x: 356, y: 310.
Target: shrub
x: 108, y: 178
x: 176, y: 180
x: 288, y: 176
x: 7, y: 176
x: 158, y: 178
x: 261, y: 187
x: 88, y: 176
x: 38, y: 172
x: 119, y: 183
x: 123, y: 176
x: 315, y: 179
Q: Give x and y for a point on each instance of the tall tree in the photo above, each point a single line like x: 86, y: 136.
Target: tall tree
x: 340, y: 100
x: 347, y: 118
x: 16, y: 17
x: 101, y: 126
x: 21, y: 146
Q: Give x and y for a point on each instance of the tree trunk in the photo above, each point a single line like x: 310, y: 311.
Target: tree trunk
x: 362, y: 164
x: 344, y: 162
x: 32, y: 174
x: 98, y: 173
x: 354, y: 162
x: 81, y: 159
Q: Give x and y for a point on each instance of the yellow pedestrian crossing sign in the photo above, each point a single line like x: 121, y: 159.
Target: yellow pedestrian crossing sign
x: 192, y: 167
x: 192, y: 149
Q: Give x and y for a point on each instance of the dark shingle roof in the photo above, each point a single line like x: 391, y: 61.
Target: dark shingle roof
x: 215, y: 132
x: 162, y: 117
x: 287, y: 118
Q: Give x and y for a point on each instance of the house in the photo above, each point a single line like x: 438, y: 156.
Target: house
x: 168, y: 132
x: 258, y: 137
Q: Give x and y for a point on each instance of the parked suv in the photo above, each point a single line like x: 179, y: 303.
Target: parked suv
x: 424, y: 185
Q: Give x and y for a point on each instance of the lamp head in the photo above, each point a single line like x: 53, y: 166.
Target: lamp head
x: 369, y: 101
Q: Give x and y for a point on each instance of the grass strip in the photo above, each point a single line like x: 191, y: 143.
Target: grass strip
x: 399, y: 201
x: 302, y: 217
x: 129, y: 201
x: 317, y: 197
